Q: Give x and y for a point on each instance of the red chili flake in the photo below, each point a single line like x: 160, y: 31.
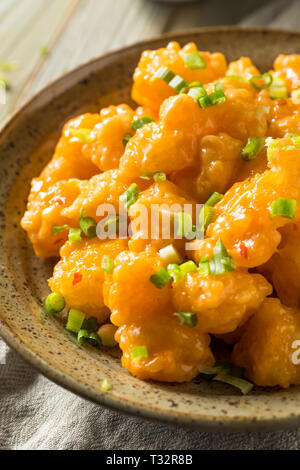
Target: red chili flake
x: 77, y: 278
x: 243, y: 250
x: 61, y: 201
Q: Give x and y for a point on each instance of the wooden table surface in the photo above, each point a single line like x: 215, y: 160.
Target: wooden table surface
x: 44, y: 39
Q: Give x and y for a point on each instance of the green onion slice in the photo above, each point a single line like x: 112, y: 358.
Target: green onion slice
x: 63, y: 228
x: 75, y: 235
x: 95, y: 340
x: 83, y: 336
x: 159, y: 176
x: 184, y: 224
x: 175, y: 272
x: 252, y: 148
x: 295, y: 96
x: 196, y: 84
x: 161, y: 278
x: 221, y: 262
x: 107, y: 264
x: 90, y: 324
x: 55, y: 303
x: 265, y: 77
x: 140, y: 352
x: 284, y: 207
x: 295, y: 138
x: 188, y: 318
x: 194, y: 61
x: 127, y: 139
x: 75, y: 320
x: 165, y: 74
x: 243, y: 385
x: 178, y: 84
x: 218, y: 96
x: 214, y: 199
x: 130, y: 196
x: 188, y: 267
x: 206, y: 216
x: 89, y: 226
x: 105, y: 386
x: 83, y: 135
x: 170, y: 255
x: 235, y: 77
x: 139, y: 123
x: 204, y: 268
x: 146, y: 175
x: 278, y: 88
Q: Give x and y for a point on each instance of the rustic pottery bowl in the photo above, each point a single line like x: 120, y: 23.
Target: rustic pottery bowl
x: 23, y: 282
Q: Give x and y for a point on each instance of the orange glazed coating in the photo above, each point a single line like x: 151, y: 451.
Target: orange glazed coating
x: 128, y: 291
x: 289, y: 68
x: 243, y: 67
x: 79, y: 278
x: 175, y: 351
x: 283, y: 269
x: 222, y: 302
x: 284, y: 118
x: 243, y: 216
x: 153, y: 93
x: 266, y: 348
x: 44, y: 211
x: 171, y: 200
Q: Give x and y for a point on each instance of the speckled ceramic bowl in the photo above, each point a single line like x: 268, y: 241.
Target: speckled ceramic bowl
x: 42, y: 341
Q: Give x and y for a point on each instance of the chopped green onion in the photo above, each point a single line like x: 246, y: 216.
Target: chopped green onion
x: 90, y: 324
x: 83, y: 336
x: 130, y: 196
x: 243, y: 385
x: 206, y: 216
x: 278, y: 88
x: 204, y: 268
x: 221, y: 262
x: 164, y: 74
x: 75, y: 235
x: 161, y: 278
x: 284, y: 207
x: 112, y: 220
x: 140, y: 352
x: 211, y: 371
x: 184, y: 224
x: 235, y: 77
x: 94, y: 340
x: 175, y: 272
x: 170, y: 255
x: 197, y: 92
x: 295, y: 96
x: 75, y: 320
x: 252, y: 148
x: 195, y: 61
x: 218, y: 96
x: 55, y: 303
x: 83, y: 135
x: 296, y: 139
x: 187, y: 318
x: 4, y: 84
x: 196, y: 84
x: 146, y: 175
x: 272, y: 145
x: 159, y: 176
x: 107, y: 264
x: 8, y: 65
x: 139, y: 123
x: 63, y: 228
x: 267, y: 79
x: 127, y: 139
x: 89, y: 226
x: 105, y: 386
x: 178, y: 84
x: 188, y: 267
x: 214, y: 199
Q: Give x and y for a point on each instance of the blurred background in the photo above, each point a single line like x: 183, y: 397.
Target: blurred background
x: 41, y: 39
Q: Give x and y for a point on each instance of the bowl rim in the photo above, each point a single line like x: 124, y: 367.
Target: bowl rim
x: 201, y: 422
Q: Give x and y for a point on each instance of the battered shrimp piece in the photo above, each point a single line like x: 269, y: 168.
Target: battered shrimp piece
x: 219, y: 155
x: 283, y: 269
x: 152, y: 93
x: 79, y: 278
x: 243, y: 217
x: 129, y: 293
x: 243, y: 67
x: 175, y: 351
x: 44, y: 210
x: 289, y: 68
x: 284, y: 118
x: 156, y: 226
x: 223, y: 302
x: 68, y: 160
x: 267, y: 350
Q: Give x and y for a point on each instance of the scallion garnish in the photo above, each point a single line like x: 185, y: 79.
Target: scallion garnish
x: 63, y: 228
x: 130, y: 196
x: 175, y: 272
x: 194, y: 61
x: 95, y: 340
x: 105, y: 386
x: 165, y: 74
x: 75, y: 320
x: 90, y: 324
x: 55, y: 303
x: 214, y: 199
x: 218, y: 96
x: 243, y: 385
x: 206, y: 216
x: 138, y: 353
x: 75, y: 235
x: 161, y: 278
x: 4, y: 84
x: 284, y: 207
x: 146, y: 175
x: 188, y: 267
x: 159, y: 176
x: 266, y: 78
x: 127, y: 139
x: 89, y: 226
x: 112, y: 220
x: 204, y: 268
x: 83, y: 135
x: 272, y: 145
x: 184, y: 224
x: 188, y: 318
x: 178, y: 84
x: 107, y: 264
x: 235, y: 77
x: 278, y: 88
x: 170, y: 255
x: 295, y: 96
x: 252, y: 148
x: 9, y: 65
x: 295, y: 138
x: 195, y: 84
x: 200, y: 95
x: 139, y: 123
x: 221, y: 262
x: 83, y: 336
